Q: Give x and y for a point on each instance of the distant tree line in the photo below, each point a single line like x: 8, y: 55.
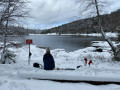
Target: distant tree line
x: 19, y: 30
x: 109, y: 22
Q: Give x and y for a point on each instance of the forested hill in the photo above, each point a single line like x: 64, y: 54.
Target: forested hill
x: 19, y: 30
x: 109, y: 21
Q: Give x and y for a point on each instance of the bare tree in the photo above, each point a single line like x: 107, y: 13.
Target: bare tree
x: 91, y: 7
x: 11, y: 11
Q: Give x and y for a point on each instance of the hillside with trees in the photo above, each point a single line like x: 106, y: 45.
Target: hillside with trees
x: 19, y: 30
x: 12, y: 30
x: 109, y: 22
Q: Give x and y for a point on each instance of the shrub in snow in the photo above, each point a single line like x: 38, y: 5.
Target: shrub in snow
x: 7, y: 57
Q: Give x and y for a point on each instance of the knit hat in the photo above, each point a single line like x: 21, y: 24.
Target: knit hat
x: 47, y: 49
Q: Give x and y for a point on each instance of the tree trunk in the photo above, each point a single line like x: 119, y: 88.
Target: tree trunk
x: 114, y: 49
x: 5, y: 36
x: 6, y: 27
x: 4, y: 48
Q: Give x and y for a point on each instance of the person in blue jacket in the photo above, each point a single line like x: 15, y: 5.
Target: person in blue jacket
x: 48, y: 60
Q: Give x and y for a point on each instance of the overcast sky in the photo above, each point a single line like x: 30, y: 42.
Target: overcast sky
x: 50, y: 13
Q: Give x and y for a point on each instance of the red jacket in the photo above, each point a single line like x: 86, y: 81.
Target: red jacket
x: 90, y: 62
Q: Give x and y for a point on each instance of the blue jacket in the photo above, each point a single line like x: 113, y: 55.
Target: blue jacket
x: 49, y: 63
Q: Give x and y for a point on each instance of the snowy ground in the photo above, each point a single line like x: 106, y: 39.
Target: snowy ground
x: 109, y: 34
x: 14, y: 77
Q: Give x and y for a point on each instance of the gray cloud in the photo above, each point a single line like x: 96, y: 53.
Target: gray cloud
x: 115, y: 4
x: 49, y: 13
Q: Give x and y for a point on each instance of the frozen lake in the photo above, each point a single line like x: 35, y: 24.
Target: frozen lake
x: 69, y: 42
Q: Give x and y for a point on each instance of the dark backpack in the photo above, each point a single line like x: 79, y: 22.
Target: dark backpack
x: 36, y: 65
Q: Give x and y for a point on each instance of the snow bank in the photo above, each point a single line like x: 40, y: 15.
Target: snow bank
x: 70, y: 76
x: 102, y: 64
x: 102, y: 69
x: 109, y: 34
x: 99, y: 34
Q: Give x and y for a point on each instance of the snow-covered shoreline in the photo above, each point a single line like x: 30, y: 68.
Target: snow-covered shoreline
x: 102, y: 67
x: 65, y: 59
x: 109, y: 34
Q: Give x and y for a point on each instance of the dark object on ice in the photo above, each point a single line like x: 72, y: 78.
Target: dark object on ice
x: 99, y: 50
x: 37, y: 65
x: 79, y: 66
x: 49, y: 63
x: 95, y: 42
